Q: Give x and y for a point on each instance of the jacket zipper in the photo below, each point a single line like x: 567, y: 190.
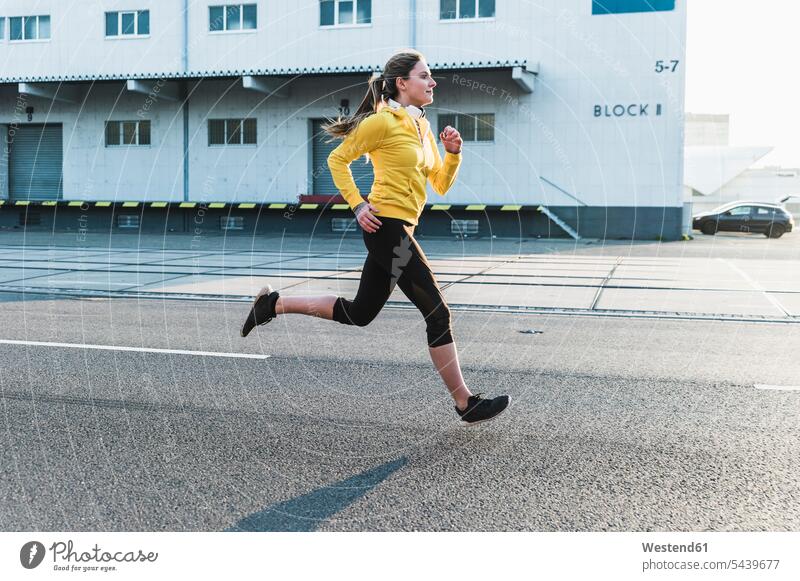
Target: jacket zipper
x: 419, y: 131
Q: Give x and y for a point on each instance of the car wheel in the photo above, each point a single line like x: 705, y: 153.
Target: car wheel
x: 709, y: 228
x: 776, y: 231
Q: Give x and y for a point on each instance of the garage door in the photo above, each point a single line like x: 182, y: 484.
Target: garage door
x: 35, y: 162
x: 321, y: 175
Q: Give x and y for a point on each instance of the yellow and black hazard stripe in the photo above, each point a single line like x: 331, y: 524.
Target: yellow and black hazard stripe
x: 260, y: 206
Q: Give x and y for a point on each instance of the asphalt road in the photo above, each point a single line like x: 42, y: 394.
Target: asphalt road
x: 616, y: 424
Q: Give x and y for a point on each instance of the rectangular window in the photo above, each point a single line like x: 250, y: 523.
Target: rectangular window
x: 249, y: 135
x: 216, y: 131
x: 345, y: 12
x: 326, y: 13
x: 144, y: 22
x: 44, y: 27
x: 2, y: 28
x: 15, y: 28
x: 232, y: 17
x: 485, y: 127
x: 249, y: 17
x: 466, y: 126
x: 232, y: 131
x: 216, y: 18
x: 144, y: 132
x: 128, y: 23
x: 112, y: 133
x: 127, y: 133
x: 111, y: 24
x: 364, y: 12
x: 29, y: 27
x: 627, y: 6
x: 472, y: 127
x: 447, y: 9
x: 465, y: 9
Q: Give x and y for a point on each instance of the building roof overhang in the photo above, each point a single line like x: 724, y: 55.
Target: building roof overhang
x: 495, y: 65
x: 708, y: 168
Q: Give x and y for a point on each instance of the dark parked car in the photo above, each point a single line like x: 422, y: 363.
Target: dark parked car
x: 757, y: 217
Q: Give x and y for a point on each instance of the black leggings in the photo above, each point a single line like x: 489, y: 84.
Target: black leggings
x: 395, y: 258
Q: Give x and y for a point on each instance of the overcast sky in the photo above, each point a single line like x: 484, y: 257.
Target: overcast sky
x: 743, y: 58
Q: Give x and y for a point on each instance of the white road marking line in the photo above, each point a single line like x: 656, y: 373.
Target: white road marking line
x: 137, y: 349
x: 778, y: 387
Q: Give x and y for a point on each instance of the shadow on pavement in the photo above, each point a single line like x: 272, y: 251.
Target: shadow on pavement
x: 305, y: 513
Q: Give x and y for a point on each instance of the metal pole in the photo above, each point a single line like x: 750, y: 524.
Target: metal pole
x: 185, y: 100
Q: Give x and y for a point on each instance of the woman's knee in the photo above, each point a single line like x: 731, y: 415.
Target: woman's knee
x: 362, y: 319
x: 439, y: 327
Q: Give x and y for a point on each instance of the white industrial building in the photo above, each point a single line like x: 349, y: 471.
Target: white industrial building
x: 138, y: 114
x: 717, y: 173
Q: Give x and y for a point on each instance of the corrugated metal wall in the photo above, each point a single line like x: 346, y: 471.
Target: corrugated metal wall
x: 35, y: 162
x: 321, y: 175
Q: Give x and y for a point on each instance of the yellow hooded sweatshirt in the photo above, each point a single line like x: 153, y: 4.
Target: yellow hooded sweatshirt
x: 402, y: 163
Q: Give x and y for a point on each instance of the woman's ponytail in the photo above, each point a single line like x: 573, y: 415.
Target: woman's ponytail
x: 340, y: 127
x: 381, y: 87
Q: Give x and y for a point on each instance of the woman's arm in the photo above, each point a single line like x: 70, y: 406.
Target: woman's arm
x: 443, y: 174
x: 366, y: 137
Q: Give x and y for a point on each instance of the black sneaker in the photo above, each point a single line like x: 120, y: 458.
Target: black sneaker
x: 482, y: 410
x: 262, y: 311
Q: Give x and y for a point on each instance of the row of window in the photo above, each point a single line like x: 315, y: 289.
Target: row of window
x: 232, y: 17
x: 344, y: 12
x: 129, y: 23
x: 455, y: 9
x: 26, y: 27
x: 477, y: 127
x: 237, y: 17
x: 132, y: 23
x: 127, y: 133
x: 220, y: 132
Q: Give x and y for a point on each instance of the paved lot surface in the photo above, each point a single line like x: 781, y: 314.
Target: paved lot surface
x: 645, y: 420
x: 741, y: 276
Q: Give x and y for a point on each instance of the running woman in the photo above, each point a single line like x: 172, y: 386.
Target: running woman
x: 390, y: 127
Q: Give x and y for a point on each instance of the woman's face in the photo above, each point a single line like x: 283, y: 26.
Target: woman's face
x: 417, y: 90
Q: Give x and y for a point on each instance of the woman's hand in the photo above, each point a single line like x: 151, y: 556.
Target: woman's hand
x: 365, y: 219
x: 451, y: 139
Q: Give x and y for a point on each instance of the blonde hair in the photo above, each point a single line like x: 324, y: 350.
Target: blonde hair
x: 381, y: 87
